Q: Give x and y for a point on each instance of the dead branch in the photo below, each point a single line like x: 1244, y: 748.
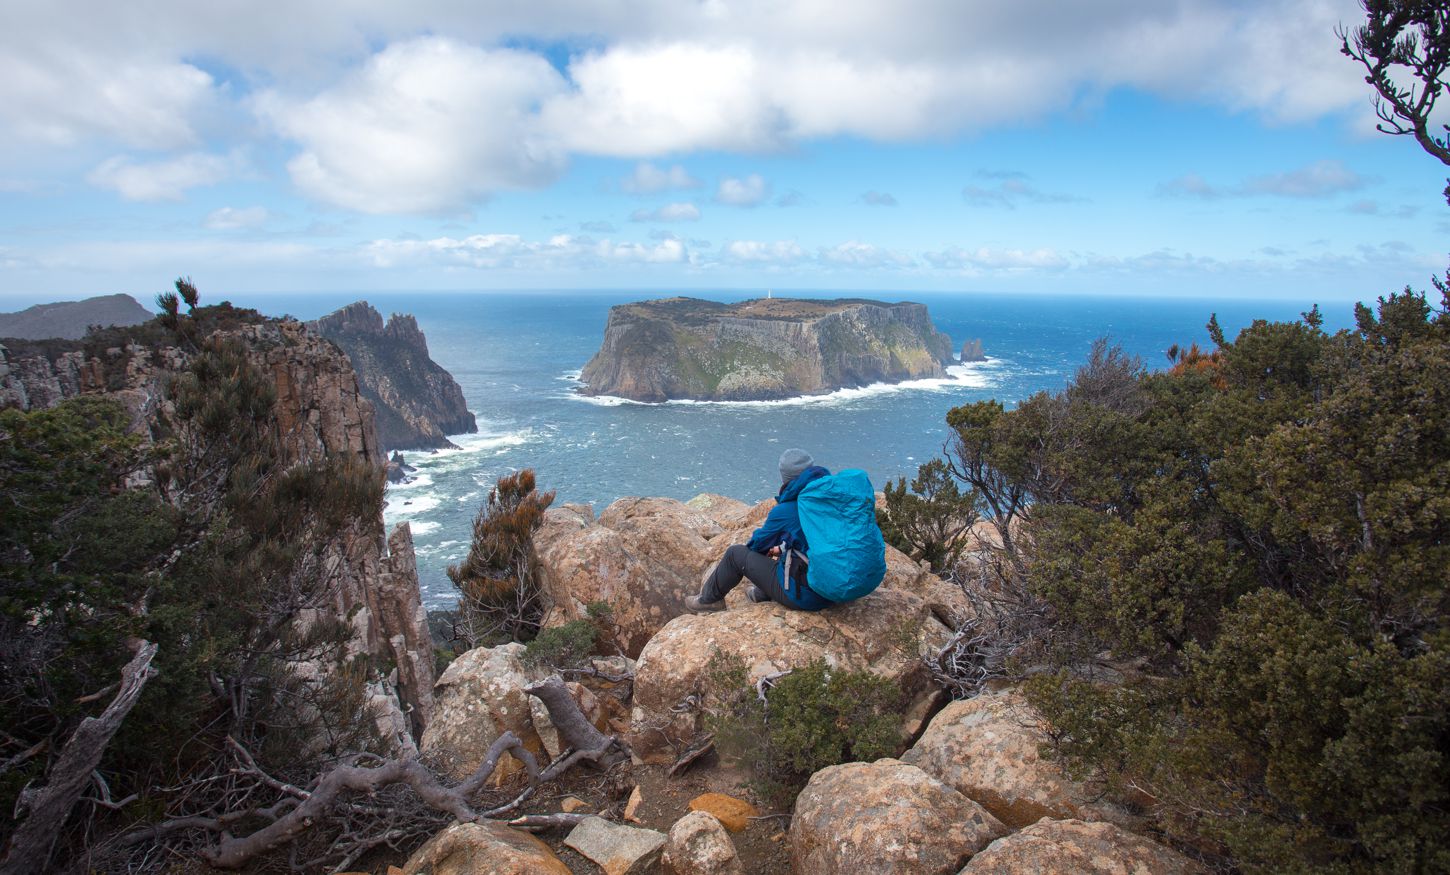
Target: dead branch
x: 574, y: 728
x: 30, y: 752
x: 299, y: 810
x: 542, y: 822
x: 233, y: 853
x: 33, y: 840
x: 693, y: 753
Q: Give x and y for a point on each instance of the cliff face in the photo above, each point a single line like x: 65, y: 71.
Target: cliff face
x: 683, y: 348
x: 70, y: 319
x: 417, y: 402
x: 366, y: 581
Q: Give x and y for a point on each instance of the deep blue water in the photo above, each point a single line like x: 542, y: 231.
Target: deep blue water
x: 515, y: 355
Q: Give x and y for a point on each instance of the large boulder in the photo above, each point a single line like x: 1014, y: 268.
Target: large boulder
x: 988, y: 748
x: 886, y: 633
x: 480, y: 697
x: 1079, y: 847
x: 885, y: 817
x: 485, y: 847
x: 698, y: 844
x: 642, y: 557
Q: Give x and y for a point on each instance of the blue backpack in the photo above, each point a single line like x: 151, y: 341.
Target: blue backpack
x: 848, y: 555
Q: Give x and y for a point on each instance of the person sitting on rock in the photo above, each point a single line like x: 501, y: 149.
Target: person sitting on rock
x: 775, y: 558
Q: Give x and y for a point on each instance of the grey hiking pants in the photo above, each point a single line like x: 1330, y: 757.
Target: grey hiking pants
x: 742, y: 562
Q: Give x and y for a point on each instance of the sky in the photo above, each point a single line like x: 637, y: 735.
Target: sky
x: 1220, y: 148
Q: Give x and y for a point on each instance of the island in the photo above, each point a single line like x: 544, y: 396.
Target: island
x: 762, y: 349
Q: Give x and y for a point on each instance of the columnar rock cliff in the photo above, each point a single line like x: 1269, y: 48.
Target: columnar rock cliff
x: 417, y: 402
x: 319, y: 412
x: 685, y: 348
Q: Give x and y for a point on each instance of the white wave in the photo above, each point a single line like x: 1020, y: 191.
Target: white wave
x: 416, y: 480
x: 423, y: 527
x: 973, y: 375
x: 467, y: 445
x: 411, y: 507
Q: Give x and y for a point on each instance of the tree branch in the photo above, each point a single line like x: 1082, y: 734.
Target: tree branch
x: 31, y: 845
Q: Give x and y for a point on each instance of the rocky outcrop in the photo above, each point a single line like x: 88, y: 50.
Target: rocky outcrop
x: 319, y: 410
x: 989, y: 749
x: 686, y: 348
x: 885, y: 633
x: 885, y: 817
x: 1078, y: 847
x: 484, y: 847
x: 71, y: 319
x: 403, y: 624
x: 643, y: 556
x: 479, y: 697
x: 699, y: 845
x: 972, y: 351
x: 417, y: 402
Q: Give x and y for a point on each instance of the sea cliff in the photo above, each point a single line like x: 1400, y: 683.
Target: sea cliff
x: 767, y: 348
x: 417, y: 402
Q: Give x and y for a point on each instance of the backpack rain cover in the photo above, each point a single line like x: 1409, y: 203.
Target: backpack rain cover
x: 847, y: 553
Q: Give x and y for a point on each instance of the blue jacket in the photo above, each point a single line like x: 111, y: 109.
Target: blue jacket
x: 782, y: 527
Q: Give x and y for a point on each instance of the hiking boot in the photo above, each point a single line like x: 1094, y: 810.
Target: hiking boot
x: 695, y: 606
x: 756, y: 594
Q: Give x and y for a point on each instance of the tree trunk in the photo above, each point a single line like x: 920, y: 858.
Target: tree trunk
x: 50, y: 806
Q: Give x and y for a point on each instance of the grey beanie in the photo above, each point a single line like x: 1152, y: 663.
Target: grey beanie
x: 792, y: 462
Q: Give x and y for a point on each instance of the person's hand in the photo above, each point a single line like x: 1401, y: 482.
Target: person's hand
x: 774, y: 552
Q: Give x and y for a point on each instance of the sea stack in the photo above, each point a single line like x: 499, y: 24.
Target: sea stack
x: 972, y: 351
x: 762, y: 349
x: 418, y: 403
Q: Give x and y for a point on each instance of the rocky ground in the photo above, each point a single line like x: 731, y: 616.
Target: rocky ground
x: 971, y: 791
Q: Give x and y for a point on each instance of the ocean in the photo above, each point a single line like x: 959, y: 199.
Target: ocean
x: 517, y: 357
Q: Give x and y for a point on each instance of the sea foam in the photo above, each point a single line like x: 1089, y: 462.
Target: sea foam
x: 969, y: 375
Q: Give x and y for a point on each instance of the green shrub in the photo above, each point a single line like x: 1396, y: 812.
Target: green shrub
x: 929, y: 521
x: 1261, y: 541
x: 563, y: 647
x: 812, y: 718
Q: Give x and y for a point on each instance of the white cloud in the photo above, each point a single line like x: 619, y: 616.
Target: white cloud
x: 649, y: 179
x: 989, y: 259
x: 1318, y: 180
x: 492, y: 251
x: 747, y: 192
x: 1013, y: 190
x: 679, y: 212
x: 761, y: 252
x: 162, y: 180
x: 234, y: 219
x: 862, y: 255
x: 426, y: 126
x: 62, y: 95
x: 878, y: 199
x: 387, y: 121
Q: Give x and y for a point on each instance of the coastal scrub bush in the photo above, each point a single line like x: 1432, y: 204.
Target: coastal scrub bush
x: 1258, y: 541
x: 498, y: 582
x: 928, y: 521
x: 570, y: 646
x: 811, y: 718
